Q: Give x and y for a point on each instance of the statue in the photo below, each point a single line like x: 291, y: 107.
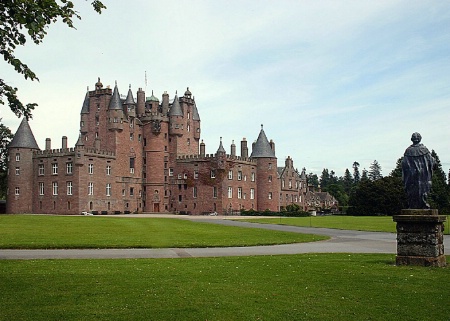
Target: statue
x: 417, y: 170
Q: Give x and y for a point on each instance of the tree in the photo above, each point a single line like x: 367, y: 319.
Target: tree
x: 397, y: 171
x: 312, y: 179
x: 324, y: 179
x: 27, y: 17
x: 364, y: 175
x: 356, y: 175
x: 347, y: 181
x: 5, y: 138
x: 439, y: 195
x: 337, y: 191
x: 375, y: 171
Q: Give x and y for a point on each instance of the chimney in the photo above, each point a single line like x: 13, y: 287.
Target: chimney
x: 244, y: 148
x: 64, y: 142
x: 140, y: 102
x: 48, y: 144
x: 233, y: 149
x: 202, y: 149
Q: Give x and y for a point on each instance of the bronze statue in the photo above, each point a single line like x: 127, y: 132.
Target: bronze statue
x: 417, y: 170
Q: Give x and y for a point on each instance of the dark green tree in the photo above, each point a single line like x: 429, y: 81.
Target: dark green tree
x: 337, y: 190
x: 364, y: 175
x: 439, y: 195
x: 356, y: 175
x: 397, y: 171
x: 324, y: 179
x: 312, y: 179
x: 375, y: 171
x: 381, y: 197
x: 347, y: 181
x: 22, y: 18
x: 5, y: 138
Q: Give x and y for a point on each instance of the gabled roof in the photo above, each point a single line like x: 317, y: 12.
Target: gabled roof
x: 85, y: 108
x: 115, y: 102
x: 130, y: 99
x: 262, y: 147
x: 175, y: 109
x: 24, y: 137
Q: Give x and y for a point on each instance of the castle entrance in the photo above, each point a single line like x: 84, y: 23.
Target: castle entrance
x: 156, y: 207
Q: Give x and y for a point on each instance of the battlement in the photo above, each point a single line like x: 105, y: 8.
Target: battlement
x: 208, y: 157
x: 71, y: 152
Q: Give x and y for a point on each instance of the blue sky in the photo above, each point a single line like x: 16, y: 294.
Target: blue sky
x: 333, y: 82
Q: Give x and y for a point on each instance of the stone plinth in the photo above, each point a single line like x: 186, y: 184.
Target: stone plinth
x: 420, y: 238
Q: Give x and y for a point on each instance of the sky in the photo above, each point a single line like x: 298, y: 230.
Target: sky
x: 333, y: 82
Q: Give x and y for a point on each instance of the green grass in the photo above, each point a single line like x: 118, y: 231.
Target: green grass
x: 360, y: 223
x: 50, y: 232
x: 293, y: 287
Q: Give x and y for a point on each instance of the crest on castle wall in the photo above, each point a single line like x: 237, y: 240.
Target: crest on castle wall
x: 156, y: 126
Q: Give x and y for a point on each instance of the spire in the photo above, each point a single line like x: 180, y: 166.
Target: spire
x: 175, y: 110
x: 115, y: 103
x: 130, y: 99
x: 24, y: 137
x: 262, y: 146
x: 221, y: 149
x: 195, y: 115
x: 85, y: 108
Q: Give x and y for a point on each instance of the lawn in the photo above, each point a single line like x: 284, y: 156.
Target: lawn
x: 293, y: 287
x: 50, y: 232
x: 360, y: 223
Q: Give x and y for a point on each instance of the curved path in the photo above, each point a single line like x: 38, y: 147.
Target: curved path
x: 341, y: 241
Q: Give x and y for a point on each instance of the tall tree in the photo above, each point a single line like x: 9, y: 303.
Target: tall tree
x: 397, y: 171
x: 32, y: 18
x: 375, y: 171
x: 356, y: 175
x: 439, y: 195
x: 364, y: 175
x: 5, y: 138
x: 347, y: 181
x: 324, y: 179
x: 312, y: 179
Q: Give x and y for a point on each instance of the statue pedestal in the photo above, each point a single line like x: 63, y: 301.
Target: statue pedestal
x: 420, y: 238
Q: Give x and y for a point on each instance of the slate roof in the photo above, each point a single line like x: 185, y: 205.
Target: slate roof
x: 195, y: 115
x: 130, y: 99
x: 115, y: 102
x: 24, y: 137
x: 221, y: 149
x: 175, y: 109
x: 85, y: 108
x: 262, y: 147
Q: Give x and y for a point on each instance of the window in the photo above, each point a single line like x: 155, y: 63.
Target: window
x: 82, y: 124
x: 131, y: 135
x: 170, y: 171
x: 270, y: 178
x: 91, y: 168
x: 230, y: 174
x: 17, y: 170
x: 194, y: 192
x: 253, y: 176
x: 54, y: 169
x: 69, y: 168
x: 282, y: 183
x: 270, y: 195
x: 213, y: 173
x: 230, y: 192
x: 123, y: 192
x: 55, y: 188
x: 185, y: 176
x: 239, y: 192
x: 91, y: 188
x: 132, y: 161
x: 41, y: 169
x: 69, y: 188
x: 108, y: 170
x: 195, y: 174
x: 290, y: 184
x: 189, y: 141
x: 108, y: 189
x: 270, y: 165
x: 17, y: 191
x: 131, y: 191
x: 41, y: 188
x: 17, y: 159
x: 214, y: 192
x: 239, y: 175
x: 252, y: 193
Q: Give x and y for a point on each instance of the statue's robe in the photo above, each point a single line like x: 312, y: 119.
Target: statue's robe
x: 417, y: 170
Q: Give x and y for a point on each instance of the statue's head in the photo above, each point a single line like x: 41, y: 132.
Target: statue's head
x: 416, y: 138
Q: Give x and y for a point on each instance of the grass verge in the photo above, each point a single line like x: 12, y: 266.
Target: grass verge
x: 51, y: 232
x: 293, y: 287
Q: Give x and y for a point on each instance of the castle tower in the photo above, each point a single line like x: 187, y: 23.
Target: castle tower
x: 266, y: 174
x: 20, y: 168
x: 129, y: 105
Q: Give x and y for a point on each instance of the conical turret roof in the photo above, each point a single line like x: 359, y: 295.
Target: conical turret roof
x: 85, y: 108
x: 115, y: 102
x: 195, y: 115
x: 262, y: 147
x: 24, y: 137
x: 130, y: 99
x: 221, y: 149
x: 176, y: 110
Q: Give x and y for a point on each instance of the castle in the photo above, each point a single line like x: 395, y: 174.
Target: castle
x: 143, y: 155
